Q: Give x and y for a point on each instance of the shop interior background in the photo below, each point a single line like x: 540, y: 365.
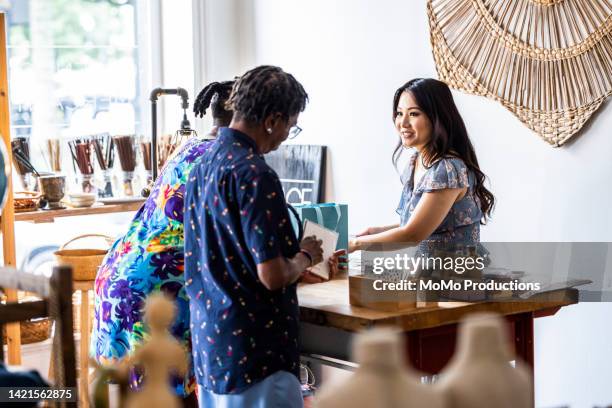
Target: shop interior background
x: 351, y: 55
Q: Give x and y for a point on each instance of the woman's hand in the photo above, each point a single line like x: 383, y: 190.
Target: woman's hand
x: 337, y: 262
x: 353, y: 245
x: 376, y: 230
x: 368, y: 231
x: 354, y: 242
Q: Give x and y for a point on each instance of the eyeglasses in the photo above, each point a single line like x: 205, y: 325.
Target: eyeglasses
x: 294, y: 131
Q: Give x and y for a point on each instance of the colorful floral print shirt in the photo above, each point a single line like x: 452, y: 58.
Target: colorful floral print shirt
x: 236, y: 218
x: 148, y: 258
x: 462, y: 224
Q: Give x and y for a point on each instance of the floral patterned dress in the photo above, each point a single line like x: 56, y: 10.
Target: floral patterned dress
x: 461, y: 226
x: 148, y: 258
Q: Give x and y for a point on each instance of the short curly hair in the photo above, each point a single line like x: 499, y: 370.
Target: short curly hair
x: 266, y: 90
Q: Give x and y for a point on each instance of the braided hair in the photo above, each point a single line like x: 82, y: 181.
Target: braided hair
x: 215, y: 96
x: 266, y: 90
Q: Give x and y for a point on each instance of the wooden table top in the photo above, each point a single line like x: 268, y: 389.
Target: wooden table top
x: 327, y: 304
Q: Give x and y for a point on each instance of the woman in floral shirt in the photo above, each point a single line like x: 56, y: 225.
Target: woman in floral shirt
x: 150, y: 256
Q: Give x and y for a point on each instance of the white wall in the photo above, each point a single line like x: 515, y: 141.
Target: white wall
x: 177, y: 65
x: 223, y: 43
x: 351, y: 55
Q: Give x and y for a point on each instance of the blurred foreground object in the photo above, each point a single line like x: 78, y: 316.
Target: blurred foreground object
x: 104, y: 375
x: 479, y: 374
x: 382, y: 380
x: 160, y: 357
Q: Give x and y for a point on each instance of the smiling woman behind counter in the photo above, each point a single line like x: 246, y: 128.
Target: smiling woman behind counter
x: 444, y: 199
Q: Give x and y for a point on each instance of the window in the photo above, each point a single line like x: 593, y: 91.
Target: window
x: 76, y: 67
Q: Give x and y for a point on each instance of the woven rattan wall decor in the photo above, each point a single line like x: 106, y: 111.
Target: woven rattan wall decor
x: 548, y: 61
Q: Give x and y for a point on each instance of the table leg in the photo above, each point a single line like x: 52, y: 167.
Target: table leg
x: 84, y: 350
x: 523, y: 337
x: 523, y: 343
x: 429, y: 350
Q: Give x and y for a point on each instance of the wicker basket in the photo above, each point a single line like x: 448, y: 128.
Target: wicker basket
x: 84, y: 262
x: 33, y: 331
x: 24, y: 201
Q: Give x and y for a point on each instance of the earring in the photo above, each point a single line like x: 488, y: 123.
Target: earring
x: 269, y: 130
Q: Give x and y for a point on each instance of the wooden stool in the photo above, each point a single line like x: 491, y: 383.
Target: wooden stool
x: 85, y: 331
x: 85, y: 263
x: 84, y: 287
x: 56, y: 303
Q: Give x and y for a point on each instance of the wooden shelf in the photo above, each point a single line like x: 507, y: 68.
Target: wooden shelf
x: 41, y: 216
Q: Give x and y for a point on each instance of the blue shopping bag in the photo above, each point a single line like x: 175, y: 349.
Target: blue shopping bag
x: 331, y: 215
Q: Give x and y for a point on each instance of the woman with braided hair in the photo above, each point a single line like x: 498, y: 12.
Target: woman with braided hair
x: 149, y: 258
x: 214, y: 95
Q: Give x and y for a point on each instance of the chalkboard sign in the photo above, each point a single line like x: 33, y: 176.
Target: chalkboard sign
x: 301, y: 169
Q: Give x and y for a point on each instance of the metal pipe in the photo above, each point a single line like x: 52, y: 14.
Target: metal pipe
x: 155, y: 94
x: 154, y: 139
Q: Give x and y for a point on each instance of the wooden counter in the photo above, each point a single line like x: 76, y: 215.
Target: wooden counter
x: 329, y: 322
x: 328, y: 304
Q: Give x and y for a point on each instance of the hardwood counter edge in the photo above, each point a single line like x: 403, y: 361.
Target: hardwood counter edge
x: 352, y: 317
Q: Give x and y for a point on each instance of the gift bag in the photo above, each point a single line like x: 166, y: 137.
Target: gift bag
x: 331, y: 215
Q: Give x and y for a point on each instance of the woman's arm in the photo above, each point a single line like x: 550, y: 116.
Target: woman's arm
x: 427, y: 216
x: 377, y: 230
